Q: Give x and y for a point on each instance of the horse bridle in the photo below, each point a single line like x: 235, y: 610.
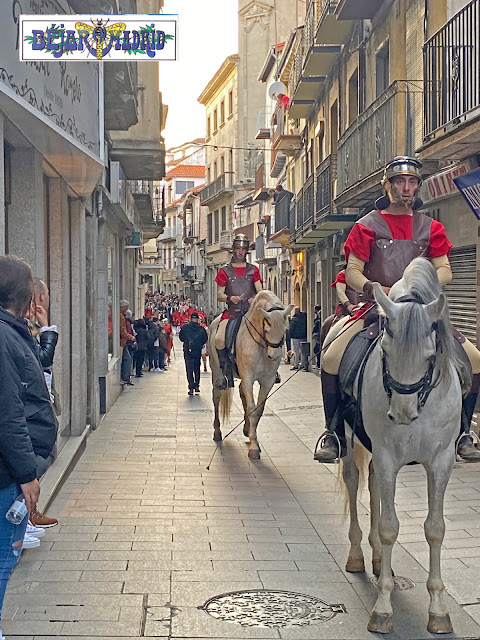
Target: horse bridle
x: 263, y: 335
x: 425, y: 385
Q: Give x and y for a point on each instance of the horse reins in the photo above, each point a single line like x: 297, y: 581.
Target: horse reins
x: 263, y: 336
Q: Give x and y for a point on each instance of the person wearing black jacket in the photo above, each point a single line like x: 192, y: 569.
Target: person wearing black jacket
x: 193, y: 336
x: 298, y: 334
x: 28, y: 427
x: 153, y: 332
x: 142, y: 345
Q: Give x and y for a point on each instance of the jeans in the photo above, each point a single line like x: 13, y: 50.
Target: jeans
x: 192, y: 366
x: 161, y: 359
x: 153, y: 357
x: 126, y: 366
x: 139, y: 358
x: 298, y: 354
x: 9, y: 534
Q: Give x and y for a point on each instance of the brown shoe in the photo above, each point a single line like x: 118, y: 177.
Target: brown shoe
x: 41, y: 520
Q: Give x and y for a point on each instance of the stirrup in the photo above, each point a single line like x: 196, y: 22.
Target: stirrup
x: 321, y: 441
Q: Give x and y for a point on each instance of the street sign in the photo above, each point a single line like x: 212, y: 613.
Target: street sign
x: 469, y: 187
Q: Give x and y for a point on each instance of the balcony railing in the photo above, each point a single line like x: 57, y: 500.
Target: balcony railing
x: 374, y: 138
x: 302, y: 210
x: 140, y: 187
x: 452, y: 72
x: 325, y: 176
x: 216, y: 187
x: 297, y: 66
x: 282, y: 213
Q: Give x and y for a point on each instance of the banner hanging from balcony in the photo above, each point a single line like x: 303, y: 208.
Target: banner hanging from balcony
x: 88, y: 38
x: 469, y: 187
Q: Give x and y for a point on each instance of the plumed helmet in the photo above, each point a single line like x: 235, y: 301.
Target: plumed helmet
x: 241, y: 242
x: 400, y: 166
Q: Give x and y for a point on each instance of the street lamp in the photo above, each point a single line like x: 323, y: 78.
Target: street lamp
x: 261, y: 224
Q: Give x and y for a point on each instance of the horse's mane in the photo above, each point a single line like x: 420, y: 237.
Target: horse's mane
x: 412, y: 324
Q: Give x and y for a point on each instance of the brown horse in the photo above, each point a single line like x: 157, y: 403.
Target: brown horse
x: 259, y: 348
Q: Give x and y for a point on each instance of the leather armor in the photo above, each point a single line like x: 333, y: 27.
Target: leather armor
x: 390, y: 257
x: 239, y: 285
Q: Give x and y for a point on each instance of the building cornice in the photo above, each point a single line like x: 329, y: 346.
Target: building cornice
x: 228, y: 67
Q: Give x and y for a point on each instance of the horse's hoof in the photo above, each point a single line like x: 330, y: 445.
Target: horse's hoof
x: 254, y: 455
x: 380, y: 622
x: 355, y: 565
x: 439, y: 623
x: 217, y: 437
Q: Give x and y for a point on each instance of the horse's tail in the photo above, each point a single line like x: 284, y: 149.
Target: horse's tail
x: 226, y: 404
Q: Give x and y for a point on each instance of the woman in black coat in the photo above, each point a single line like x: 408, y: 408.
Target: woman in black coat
x: 143, y: 339
x: 28, y: 427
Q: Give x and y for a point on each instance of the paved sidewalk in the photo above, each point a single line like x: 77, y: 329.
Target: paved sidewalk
x: 147, y: 534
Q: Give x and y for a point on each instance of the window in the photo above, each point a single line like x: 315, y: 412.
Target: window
x: 222, y: 112
x: 382, y: 66
x: 110, y: 295
x: 214, y: 170
x: 215, y: 120
x: 334, y: 127
x: 353, y: 97
x: 217, y: 225
x: 222, y: 165
x: 230, y: 103
x: 209, y: 127
x: 224, y: 218
x: 209, y: 175
x: 183, y: 185
x: 209, y: 228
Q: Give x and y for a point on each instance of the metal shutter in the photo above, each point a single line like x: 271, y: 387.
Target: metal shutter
x: 462, y: 291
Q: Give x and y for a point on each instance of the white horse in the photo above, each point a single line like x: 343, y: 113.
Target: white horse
x: 411, y: 406
x: 259, y: 348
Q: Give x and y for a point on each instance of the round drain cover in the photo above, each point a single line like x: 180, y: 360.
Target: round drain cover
x: 402, y: 584
x: 268, y: 608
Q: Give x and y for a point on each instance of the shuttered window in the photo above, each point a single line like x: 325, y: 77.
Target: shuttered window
x: 462, y: 291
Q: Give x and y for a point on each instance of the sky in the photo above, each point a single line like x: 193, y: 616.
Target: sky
x: 207, y: 34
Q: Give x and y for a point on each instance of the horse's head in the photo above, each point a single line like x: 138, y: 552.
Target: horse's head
x: 409, y: 352
x: 275, y: 325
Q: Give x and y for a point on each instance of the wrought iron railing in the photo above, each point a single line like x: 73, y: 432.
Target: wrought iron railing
x: 282, y: 213
x: 375, y: 136
x: 223, y: 182
x: 452, y: 71
x: 297, y: 66
x: 324, y: 177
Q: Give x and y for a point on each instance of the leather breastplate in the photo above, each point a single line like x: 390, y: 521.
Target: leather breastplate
x: 240, y: 285
x: 390, y: 257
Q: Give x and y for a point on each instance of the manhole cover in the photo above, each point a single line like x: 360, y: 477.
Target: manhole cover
x: 262, y: 608
x: 302, y: 407
x: 402, y: 584
x: 199, y: 411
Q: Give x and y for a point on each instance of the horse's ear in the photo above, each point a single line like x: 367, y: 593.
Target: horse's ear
x: 263, y: 313
x: 383, y: 300
x: 288, y: 310
x: 436, y: 309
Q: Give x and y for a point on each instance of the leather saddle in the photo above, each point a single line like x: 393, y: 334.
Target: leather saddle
x: 354, y: 361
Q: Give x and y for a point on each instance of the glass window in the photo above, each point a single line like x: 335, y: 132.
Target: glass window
x: 209, y: 127
x: 230, y: 103
x: 110, y: 292
x: 209, y: 228
x: 224, y: 218
x: 382, y: 64
x: 222, y: 112
x: 217, y: 225
x: 215, y: 120
x: 183, y: 185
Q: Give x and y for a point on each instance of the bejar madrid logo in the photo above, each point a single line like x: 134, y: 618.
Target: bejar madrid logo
x: 74, y: 37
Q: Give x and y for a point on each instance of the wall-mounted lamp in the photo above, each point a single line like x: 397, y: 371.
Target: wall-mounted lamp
x: 261, y: 224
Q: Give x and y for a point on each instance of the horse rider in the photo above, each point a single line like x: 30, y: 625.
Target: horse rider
x: 238, y: 282
x: 348, y: 298
x: 378, y: 249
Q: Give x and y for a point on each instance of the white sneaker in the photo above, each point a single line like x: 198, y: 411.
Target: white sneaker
x: 35, y: 532
x: 161, y: 371
x: 29, y: 542
x: 158, y: 369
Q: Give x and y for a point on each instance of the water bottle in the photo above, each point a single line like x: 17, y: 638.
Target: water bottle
x: 17, y: 511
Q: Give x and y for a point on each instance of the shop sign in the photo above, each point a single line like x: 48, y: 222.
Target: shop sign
x: 63, y: 94
x: 85, y: 37
x: 469, y: 187
x: 442, y: 185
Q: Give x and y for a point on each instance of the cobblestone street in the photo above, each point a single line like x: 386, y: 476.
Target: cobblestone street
x: 147, y: 535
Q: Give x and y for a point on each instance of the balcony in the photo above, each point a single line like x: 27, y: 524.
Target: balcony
x: 302, y: 216
x: 305, y: 79
x: 283, y: 140
x: 281, y: 229
x: 169, y: 234
x: 189, y: 235
x: 329, y: 30
x: 358, y: 9
x: 142, y: 192
x: 226, y: 239
x: 452, y: 87
x: 219, y: 187
x: 261, y: 190
x: 120, y: 85
x: 372, y: 140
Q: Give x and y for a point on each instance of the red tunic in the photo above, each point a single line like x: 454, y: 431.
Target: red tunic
x: 222, y: 280
x: 339, y: 279
x: 361, y: 238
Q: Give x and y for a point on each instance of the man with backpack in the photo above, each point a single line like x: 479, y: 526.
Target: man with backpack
x: 193, y: 336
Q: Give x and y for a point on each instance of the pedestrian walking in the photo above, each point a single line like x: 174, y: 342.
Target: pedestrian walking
x: 142, y: 345
x: 298, y: 334
x: 28, y: 427
x: 163, y: 339
x: 193, y: 336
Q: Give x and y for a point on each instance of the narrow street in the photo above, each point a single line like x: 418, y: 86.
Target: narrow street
x: 147, y: 535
